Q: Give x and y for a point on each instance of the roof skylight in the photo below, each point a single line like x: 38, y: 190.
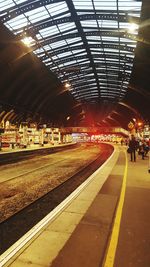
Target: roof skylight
x: 85, y: 41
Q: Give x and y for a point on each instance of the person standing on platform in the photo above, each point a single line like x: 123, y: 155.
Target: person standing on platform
x: 133, y: 147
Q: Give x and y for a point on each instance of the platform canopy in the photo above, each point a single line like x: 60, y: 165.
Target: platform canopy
x: 89, y: 48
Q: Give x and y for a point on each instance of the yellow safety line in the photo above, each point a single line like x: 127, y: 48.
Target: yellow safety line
x: 110, y: 257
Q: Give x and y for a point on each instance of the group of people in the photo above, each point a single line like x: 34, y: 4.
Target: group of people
x: 141, y: 146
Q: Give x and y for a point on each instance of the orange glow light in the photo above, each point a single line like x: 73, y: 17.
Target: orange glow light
x: 67, y: 85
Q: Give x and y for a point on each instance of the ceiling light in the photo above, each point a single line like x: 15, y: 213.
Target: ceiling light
x: 28, y: 41
x: 68, y: 118
x: 133, y: 27
x: 67, y: 85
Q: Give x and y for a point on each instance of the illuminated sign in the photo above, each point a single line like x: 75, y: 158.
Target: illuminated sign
x: 130, y: 125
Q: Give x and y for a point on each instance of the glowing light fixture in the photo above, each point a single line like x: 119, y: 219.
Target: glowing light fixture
x: 140, y: 123
x: 28, y: 41
x: 68, y: 118
x: 67, y: 85
x: 133, y: 27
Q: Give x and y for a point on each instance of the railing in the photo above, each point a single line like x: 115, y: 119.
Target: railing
x: 94, y: 130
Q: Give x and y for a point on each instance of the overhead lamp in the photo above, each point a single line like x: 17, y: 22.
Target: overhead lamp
x: 67, y: 85
x: 68, y: 118
x: 139, y: 123
x: 28, y: 41
x: 133, y: 27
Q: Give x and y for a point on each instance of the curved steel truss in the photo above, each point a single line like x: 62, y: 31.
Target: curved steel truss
x: 87, y: 43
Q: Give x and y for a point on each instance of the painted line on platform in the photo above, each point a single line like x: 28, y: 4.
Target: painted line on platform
x: 8, y: 254
x: 110, y: 256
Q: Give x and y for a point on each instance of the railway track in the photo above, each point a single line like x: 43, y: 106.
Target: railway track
x: 18, y: 224
x: 22, y: 186
x: 38, y: 159
x: 31, y: 171
x: 17, y: 156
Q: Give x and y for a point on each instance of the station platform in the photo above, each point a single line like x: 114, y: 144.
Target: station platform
x: 103, y: 223
x: 7, y: 150
x: 9, y: 155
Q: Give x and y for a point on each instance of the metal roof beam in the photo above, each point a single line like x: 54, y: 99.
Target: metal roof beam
x: 24, y: 7
x: 51, y: 39
x: 122, y: 12
x: 48, y: 22
x: 94, y: 46
x: 84, y: 60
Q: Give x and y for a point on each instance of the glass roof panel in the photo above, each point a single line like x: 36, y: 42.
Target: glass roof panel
x: 91, y: 38
x: 20, y: 1
x: 66, y: 26
x: 5, y: 4
x: 57, y: 8
x: 16, y: 23
x: 83, y: 4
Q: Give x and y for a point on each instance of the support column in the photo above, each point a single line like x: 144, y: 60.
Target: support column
x: 59, y: 137
x: 52, y: 141
x: 24, y: 136
x: 42, y: 137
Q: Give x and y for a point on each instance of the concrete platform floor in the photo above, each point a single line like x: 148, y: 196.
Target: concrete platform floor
x: 133, y: 248
x: 80, y: 235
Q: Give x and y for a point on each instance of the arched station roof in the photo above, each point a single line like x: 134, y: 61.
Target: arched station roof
x: 100, y: 48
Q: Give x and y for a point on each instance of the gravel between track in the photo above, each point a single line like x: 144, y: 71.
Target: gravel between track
x: 21, y: 191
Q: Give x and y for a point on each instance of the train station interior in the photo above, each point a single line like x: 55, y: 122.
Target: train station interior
x: 74, y: 94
